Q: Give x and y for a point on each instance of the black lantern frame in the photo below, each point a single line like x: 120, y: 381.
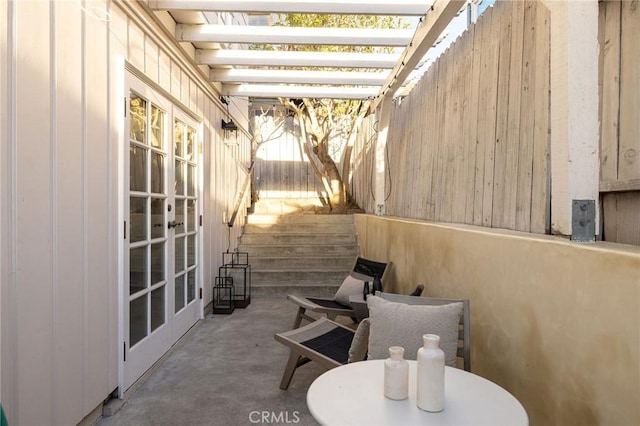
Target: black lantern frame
x: 236, y: 266
x: 223, y: 296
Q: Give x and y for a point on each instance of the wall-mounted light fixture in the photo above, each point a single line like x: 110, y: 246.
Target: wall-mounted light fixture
x: 229, y: 127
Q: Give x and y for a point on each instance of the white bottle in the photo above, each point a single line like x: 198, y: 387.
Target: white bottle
x: 396, y: 374
x: 430, y: 375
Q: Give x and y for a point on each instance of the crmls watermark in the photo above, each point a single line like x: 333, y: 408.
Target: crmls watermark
x: 279, y: 417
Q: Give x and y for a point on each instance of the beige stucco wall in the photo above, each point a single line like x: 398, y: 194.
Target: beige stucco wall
x: 554, y: 322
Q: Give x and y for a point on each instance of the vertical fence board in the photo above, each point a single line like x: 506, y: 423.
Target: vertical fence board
x: 541, y: 182
x: 629, y: 142
x: 419, y: 136
x: 437, y: 131
x: 491, y: 106
x: 453, y: 134
x: 508, y: 219
x: 471, y: 127
x: 610, y: 90
x: 486, y: 84
x: 445, y: 133
x: 400, y: 140
x: 500, y: 179
x: 462, y: 163
x: 525, y: 154
x: 428, y: 139
x: 491, y: 118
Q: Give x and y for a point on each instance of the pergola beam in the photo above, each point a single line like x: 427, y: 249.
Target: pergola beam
x: 339, y: 7
x: 226, y: 57
x: 292, y: 91
x: 298, y: 77
x: 442, y: 12
x: 292, y: 35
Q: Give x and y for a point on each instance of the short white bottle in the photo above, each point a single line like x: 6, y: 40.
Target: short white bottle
x: 430, y: 375
x: 396, y: 374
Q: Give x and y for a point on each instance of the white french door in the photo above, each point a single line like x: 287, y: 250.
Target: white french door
x: 162, y: 241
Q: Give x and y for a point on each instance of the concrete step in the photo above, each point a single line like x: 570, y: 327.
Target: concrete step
x: 317, y: 276
x: 270, y: 219
x: 283, y: 290
x: 257, y: 250
x: 293, y: 250
x: 290, y: 238
x: 288, y: 205
x: 302, y: 262
x: 300, y: 228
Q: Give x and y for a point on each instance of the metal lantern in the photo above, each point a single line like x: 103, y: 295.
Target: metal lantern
x: 223, y: 295
x: 236, y: 266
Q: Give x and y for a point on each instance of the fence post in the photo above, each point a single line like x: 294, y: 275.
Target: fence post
x: 574, y: 109
x: 384, y: 115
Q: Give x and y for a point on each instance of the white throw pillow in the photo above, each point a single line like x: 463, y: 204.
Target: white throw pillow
x: 400, y: 324
x: 350, y: 287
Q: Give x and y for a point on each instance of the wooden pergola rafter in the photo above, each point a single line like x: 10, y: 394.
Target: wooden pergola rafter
x: 243, y: 72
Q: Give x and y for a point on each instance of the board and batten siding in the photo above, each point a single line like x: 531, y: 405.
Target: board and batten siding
x: 470, y: 142
x: 61, y: 116
x: 619, y: 34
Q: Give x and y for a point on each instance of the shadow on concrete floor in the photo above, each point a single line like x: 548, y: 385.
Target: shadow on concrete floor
x: 227, y: 372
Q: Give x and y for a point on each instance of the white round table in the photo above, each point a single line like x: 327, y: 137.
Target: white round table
x: 353, y: 394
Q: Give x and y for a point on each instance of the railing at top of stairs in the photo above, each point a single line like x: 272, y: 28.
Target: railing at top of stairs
x: 243, y: 190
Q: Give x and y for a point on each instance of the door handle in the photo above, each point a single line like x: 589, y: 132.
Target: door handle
x: 174, y: 224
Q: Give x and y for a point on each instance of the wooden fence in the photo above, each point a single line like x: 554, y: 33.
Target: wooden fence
x: 282, y: 169
x: 470, y: 143
x: 620, y: 120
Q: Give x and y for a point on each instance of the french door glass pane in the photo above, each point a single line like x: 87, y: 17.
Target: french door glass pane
x: 179, y: 254
x: 137, y: 168
x: 191, y: 215
x: 158, y: 223
x: 191, y: 137
x: 137, y: 219
x: 179, y: 138
x: 157, y: 307
x: 179, y: 185
x: 191, y: 285
x: 137, y: 319
x: 137, y: 269
x: 157, y: 126
x: 138, y: 123
x: 191, y: 250
x: 157, y: 262
x: 179, y: 292
x: 157, y: 173
x: 180, y: 217
x: 191, y: 175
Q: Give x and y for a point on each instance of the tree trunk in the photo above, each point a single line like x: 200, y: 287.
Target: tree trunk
x: 333, y: 174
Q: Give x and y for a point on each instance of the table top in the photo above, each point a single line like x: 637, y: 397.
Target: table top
x: 353, y: 394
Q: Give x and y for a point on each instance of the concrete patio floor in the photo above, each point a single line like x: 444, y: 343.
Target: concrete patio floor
x: 226, y: 371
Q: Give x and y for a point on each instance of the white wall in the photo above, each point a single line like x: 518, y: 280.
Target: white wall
x: 61, y: 81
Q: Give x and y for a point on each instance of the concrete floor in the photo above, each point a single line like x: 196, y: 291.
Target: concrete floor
x: 226, y: 372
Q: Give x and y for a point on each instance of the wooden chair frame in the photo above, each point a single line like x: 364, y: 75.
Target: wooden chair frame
x: 334, y: 351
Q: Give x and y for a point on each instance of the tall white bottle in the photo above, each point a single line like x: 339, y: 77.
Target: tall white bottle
x: 396, y: 374
x: 430, y: 375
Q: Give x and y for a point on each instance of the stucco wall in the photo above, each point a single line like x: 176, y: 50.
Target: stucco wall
x: 556, y: 323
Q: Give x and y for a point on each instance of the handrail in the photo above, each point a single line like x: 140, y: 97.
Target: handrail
x: 240, y: 195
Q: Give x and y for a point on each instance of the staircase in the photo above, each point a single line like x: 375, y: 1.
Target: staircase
x: 293, y: 250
